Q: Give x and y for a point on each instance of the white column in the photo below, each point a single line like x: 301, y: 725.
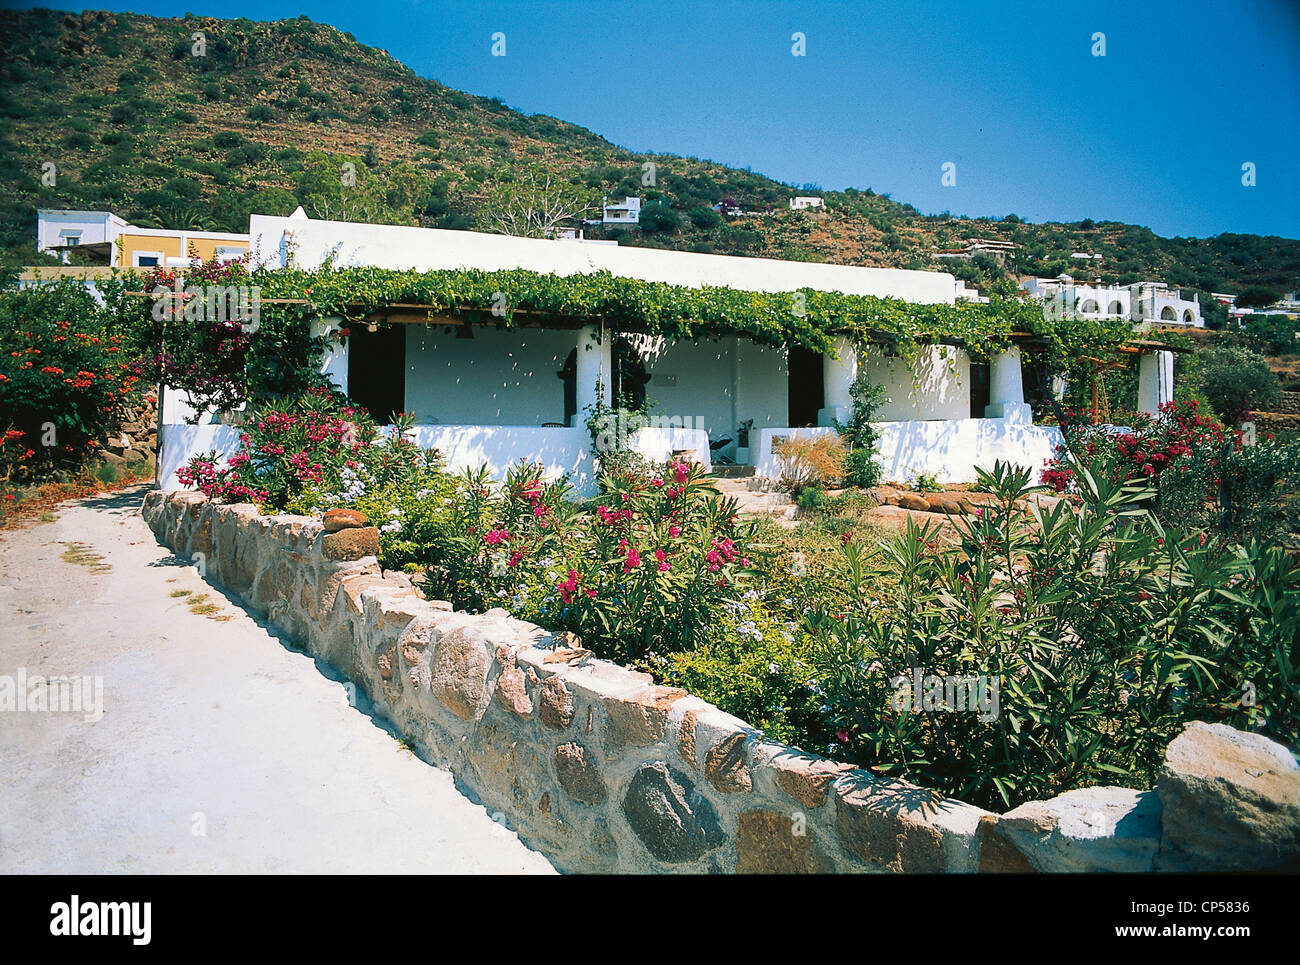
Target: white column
x: 838, y: 375
x: 593, y: 368
x: 1007, y: 390
x: 334, y: 362
x: 1155, y: 381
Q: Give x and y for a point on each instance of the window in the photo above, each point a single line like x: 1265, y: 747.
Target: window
x: 146, y: 259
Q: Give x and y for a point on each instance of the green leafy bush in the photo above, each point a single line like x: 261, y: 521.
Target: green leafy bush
x: 1237, y: 380
x: 1098, y: 633
x: 63, y: 378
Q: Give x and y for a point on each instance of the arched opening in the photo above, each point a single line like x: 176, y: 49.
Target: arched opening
x: 1090, y: 307
x: 1188, y: 317
x: 1116, y: 308
x: 1167, y: 314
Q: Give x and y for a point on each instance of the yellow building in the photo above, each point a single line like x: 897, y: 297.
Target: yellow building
x: 163, y: 247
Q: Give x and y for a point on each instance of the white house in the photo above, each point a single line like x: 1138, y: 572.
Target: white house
x: 628, y: 211
x: 487, y: 393
x: 800, y: 204
x: 58, y: 229
x: 1143, y: 302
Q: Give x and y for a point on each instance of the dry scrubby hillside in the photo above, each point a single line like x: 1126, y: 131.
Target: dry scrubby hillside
x: 136, y: 124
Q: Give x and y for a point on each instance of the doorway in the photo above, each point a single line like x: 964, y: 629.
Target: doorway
x: 807, y: 386
x: 979, y: 389
x: 377, y: 370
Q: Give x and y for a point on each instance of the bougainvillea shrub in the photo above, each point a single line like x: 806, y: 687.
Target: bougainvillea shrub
x: 63, y: 380
x: 291, y: 452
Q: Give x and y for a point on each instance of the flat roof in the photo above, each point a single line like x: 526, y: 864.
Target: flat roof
x: 424, y: 249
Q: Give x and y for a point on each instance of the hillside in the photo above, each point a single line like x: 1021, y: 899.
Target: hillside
x: 264, y: 119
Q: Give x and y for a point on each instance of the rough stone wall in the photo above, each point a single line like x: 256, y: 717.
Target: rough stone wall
x: 602, y: 770
x: 135, y: 441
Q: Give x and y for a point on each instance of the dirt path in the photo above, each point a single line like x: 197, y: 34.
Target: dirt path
x: 219, y: 748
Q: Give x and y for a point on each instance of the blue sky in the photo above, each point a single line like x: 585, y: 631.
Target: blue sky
x: 1153, y: 133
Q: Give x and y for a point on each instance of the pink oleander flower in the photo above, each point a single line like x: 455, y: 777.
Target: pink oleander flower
x: 495, y: 536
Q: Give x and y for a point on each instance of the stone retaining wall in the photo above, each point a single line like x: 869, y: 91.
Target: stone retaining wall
x: 602, y: 770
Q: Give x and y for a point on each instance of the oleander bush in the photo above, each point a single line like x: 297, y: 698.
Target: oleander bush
x: 1103, y: 630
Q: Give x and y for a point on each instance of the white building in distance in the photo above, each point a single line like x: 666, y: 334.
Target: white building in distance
x: 1144, y: 301
x: 628, y: 211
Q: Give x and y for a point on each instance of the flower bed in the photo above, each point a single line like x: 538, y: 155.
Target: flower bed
x: 1093, y: 671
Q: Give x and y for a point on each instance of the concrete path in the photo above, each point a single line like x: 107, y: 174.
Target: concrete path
x: 219, y: 748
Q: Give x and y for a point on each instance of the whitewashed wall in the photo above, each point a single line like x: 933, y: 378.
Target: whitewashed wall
x: 948, y: 450
x: 951, y: 450
x: 496, y: 378
x: 716, y: 385
x: 939, y: 388
x: 178, y: 444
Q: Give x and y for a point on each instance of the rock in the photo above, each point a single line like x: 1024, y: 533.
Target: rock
x: 579, y: 774
x: 884, y: 495
x: 556, y: 710
x: 512, y: 692
x: 896, y: 518
x: 640, y: 720
x: 806, y: 778
x: 341, y: 519
x: 354, y: 586
x: 1231, y: 802
x: 768, y: 842
x: 351, y: 544
x: 686, y: 737
x: 998, y: 855
x: 1092, y: 829
x: 669, y: 816
x: 899, y: 827
x: 724, y: 765
x: 415, y: 640
x: 913, y: 502
x: 458, y: 676
x: 953, y: 502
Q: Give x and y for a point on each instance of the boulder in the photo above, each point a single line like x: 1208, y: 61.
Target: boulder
x: 579, y: 774
x: 1092, y: 829
x: 1231, y: 802
x: 669, y: 816
x: 772, y: 842
x: 340, y: 519
x: 458, y: 676
x: 351, y: 544
x: 884, y: 495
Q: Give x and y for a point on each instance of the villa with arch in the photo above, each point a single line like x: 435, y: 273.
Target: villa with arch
x: 1144, y: 301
